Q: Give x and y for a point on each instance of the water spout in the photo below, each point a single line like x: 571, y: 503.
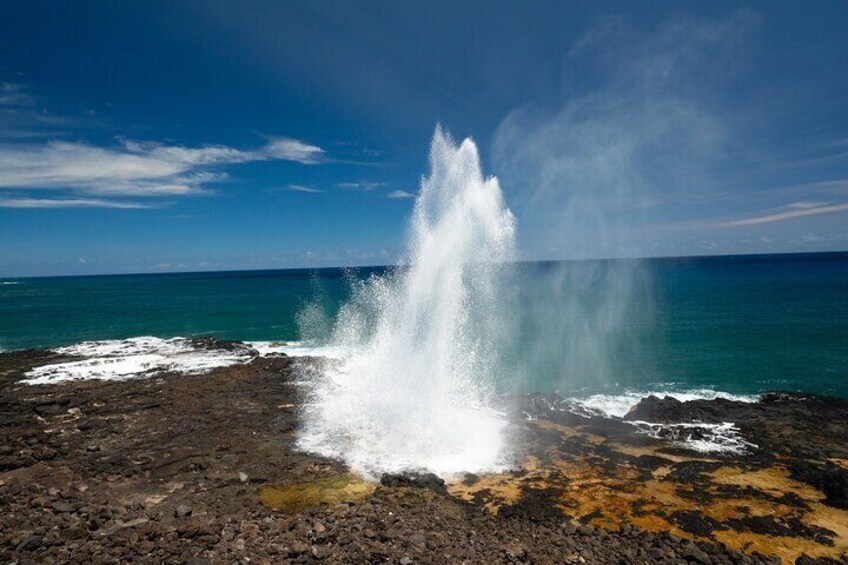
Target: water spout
x: 415, y: 390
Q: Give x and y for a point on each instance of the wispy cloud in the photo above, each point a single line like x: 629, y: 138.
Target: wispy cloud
x: 22, y: 117
x: 805, y: 204
x: 369, y: 186
x: 70, y: 203
x: 133, y: 168
x: 400, y: 194
x: 288, y: 149
x: 811, y: 237
x: 33, y: 156
x: 832, y: 187
x: 363, y: 185
x: 303, y: 188
x: 12, y: 94
x: 792, y: 212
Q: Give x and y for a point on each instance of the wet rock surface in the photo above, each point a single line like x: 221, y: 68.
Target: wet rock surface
x: 780, y: 491
x: 416, y: 480
x: 170, y: 469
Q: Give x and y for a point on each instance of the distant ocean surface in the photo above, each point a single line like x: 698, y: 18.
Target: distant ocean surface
x: 740, y: 324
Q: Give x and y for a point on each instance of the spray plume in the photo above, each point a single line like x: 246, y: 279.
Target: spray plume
x: 414, y: 390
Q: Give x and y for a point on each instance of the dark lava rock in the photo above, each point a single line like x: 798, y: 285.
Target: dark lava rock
x: 30, y: 544
x: 415, y: 480
x: 807, y: 560
x: 535, y: 504
x: 831, y: 479
x: 418, y: 539
x: 691, y: 471
x: 184, y: 431
x: 515, y: 552
x: 669, y: 410
x: 11, y: 463
x: 694, y: 523
x: 769, y: 525
x: 50, y: 407
x: 792, y: 499
x: 655, y: 409
x: 298, y: 548
x: 780, y: 396
x: 694, y: 555
x: 469, y: 479
x: 62, y: 506
x: 213, y: 344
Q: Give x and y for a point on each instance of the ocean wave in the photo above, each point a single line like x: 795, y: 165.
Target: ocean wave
x: 135, y: 357
x: 10, y: 282
x: 296, y: 349
x: 708, y: 438
x: 618, y: 405
x: 121, y: 359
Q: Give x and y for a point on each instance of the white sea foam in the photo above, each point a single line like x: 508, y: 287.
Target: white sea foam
x: 619, y: 405
x: 134, y: 357
x: 723, y: 438
x: 142, y: 345
x: 9, y: 282
x: 413, y: 392
x: 296, y: 349
x: 121, y: 359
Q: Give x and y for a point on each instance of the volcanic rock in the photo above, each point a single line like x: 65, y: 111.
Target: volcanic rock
x: 414, y: 480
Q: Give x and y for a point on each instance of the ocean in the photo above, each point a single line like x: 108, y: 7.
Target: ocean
x: 735, y: 324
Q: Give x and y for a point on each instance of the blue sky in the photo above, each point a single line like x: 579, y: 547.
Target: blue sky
x: 173, y: 136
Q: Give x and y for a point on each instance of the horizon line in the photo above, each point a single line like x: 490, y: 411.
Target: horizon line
x: 386, y: 266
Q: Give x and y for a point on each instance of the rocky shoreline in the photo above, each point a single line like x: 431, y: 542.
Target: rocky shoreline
x: 178, y: 468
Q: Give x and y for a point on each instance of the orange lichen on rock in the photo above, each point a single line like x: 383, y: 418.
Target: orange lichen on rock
x: 750, y: 508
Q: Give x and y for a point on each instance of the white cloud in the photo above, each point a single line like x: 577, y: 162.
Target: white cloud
x: 288, y: 149
x: 87, y: 174
x: 400, y: 194
x: 805, y: 204
x: 190, y: 156
x: 69, y: 203
x: 22, y: 117
x: 795, y: 212
x: 133, y: 168
x: 12, y: 94
x: 363, y: 185
x: 302, y: 188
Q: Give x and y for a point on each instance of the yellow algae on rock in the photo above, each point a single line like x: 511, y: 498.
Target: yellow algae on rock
x: 299, y: 496
x: 751, y: 506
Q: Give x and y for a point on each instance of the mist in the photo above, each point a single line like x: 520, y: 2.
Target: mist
x: 636, y: 131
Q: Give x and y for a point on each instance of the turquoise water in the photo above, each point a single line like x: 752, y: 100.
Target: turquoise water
x: 738, y: 324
